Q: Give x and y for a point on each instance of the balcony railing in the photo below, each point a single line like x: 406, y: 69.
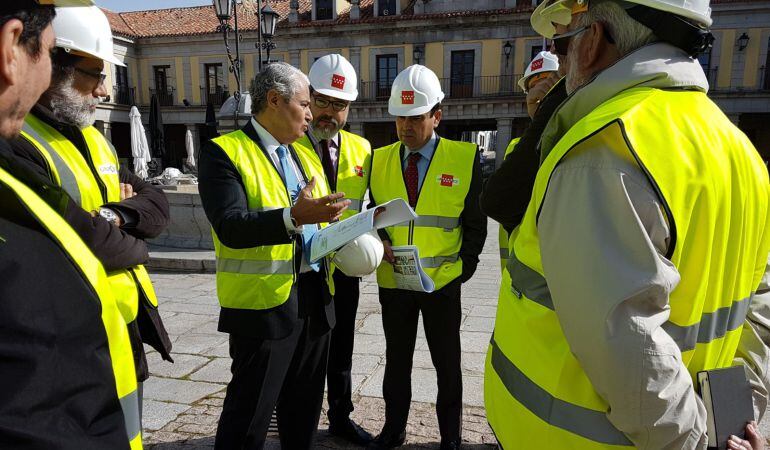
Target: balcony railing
x: 761, y: 82
x: 165, y: 96
x: 215, y: 96
x: 454, y: 88
x: 123, y: 95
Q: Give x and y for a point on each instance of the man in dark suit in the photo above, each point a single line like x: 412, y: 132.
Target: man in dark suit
x: 264, y: 200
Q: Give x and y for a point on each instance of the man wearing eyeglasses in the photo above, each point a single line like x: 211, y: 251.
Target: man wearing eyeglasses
x: 642, y: 257
x: 346, y: 159
x: 58, y: 140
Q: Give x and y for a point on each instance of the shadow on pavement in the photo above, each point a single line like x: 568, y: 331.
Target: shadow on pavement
x: 208, y: 444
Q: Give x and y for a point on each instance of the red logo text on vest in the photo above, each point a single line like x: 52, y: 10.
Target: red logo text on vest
x: 338, y: 81
x: 407, y: 97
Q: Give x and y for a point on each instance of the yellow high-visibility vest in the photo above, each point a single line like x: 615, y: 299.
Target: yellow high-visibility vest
x: 121, y: 356
x: 261, y: 277
x: 437, y: 232
x: 502, y: 235
x: 354, y: 165
x: 91, y: 187
x: 535, y: 390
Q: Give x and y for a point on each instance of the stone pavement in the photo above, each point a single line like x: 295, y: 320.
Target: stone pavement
x: 183, y: 400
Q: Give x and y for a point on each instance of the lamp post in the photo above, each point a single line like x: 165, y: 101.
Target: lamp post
x: 743, y: 42
x: 225, y: 9
x: 417, y: 53
x: 268, y: 20
x: 507, y: 51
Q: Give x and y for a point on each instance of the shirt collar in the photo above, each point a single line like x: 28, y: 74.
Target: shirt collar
x: 426, y: 151
x: 268, y: 141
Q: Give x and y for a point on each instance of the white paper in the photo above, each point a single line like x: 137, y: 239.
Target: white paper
x: 408, y: 272
x: 336, y: 235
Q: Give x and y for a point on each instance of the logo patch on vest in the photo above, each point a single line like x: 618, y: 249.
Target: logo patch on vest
x: 108, y: 169
x: 338, y: 81
x: 448, y: 180
x: 407, y: 97
x: 537, y: 64
x: 359, y: 171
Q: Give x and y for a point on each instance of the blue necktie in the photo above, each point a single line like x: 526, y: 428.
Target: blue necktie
x: 292, y: 184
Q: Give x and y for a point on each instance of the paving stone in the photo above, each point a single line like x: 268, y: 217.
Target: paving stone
x: 473, y: 363
x: 369, y: 344
x: 181, y: 323
x: 196, y: 343
x: 178, y: 391
x: 365, y: 364
x: 478, y: 324
x: 372, y: 325
x: 483, y: 311
x: 155, y: 415
x: 474, y: 342
x: 183, y: 365
x: 216, y: 371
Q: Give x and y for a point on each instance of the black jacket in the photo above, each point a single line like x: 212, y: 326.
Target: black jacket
x: 117, y: 248
x: 224, y: 200
x: 57, y: 388
x: 507, y: 192
x: 473, y: 222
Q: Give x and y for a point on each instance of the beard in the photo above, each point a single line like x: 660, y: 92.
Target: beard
x: 575, y: 79
x: 327, y: 131
x: 70, y: 106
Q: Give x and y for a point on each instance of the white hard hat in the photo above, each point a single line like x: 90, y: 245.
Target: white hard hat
x: 334, y: 76
x: 416, y: 90
x: 561, y: 11
x: 361, y: 256
x: 543, y: 62
x: 86, y: 30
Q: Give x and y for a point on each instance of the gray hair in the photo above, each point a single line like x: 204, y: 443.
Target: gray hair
x: 628, y: 34
x: 284, y: 78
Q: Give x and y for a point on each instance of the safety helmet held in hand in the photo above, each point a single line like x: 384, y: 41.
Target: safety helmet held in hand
x: 361, y: 256
x: 416, y: 90
x: 334, y: 76
x: 543, y: 62
x: 560, y: 12
x: 85, y: 30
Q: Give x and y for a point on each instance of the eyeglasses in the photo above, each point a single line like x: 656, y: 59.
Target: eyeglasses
x: 99, y: 77
x: 324, y: 103
x: 561, y: 41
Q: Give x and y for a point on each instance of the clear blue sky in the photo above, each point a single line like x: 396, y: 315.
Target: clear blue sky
x: 138, y: 5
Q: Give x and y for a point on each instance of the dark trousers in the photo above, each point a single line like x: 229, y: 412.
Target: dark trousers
x: 286, y: 375
x: 441, y: 316
x: 346, y: 292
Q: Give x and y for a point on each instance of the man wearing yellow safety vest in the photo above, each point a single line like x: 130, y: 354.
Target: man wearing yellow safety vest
x: 641, y: 256
x: 441, y: 180
x: 265, y: 199
x: 346, y: 160
x: 58, y: 137
x: 66, y: 365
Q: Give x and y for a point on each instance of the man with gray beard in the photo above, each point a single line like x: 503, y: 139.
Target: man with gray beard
x: 59, y: 141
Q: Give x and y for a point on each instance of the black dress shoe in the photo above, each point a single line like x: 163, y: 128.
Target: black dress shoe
x: 450, y: 445
x: 386, y: 441
x: 350, y: 431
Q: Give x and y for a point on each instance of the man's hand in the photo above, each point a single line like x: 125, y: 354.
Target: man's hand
x: 388, y: 251
x: 316, y: 210
x: 126, y: 191
x: 753, y: 441
x: 538, y: 92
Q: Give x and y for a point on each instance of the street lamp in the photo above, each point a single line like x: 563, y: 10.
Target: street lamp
x: 743, y: 42
x: 238, y: 103
x: 417, y: 53
x: 268, y: 20
x: 507, y: 51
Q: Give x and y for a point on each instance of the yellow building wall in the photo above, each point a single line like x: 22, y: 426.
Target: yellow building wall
x: 364, y: 69
x: 519, y: 56
x: 726, y: 58
x: 195, y: 80
x: 408, y: 55
x: 434, y: 57
x: 303, y: 64
x: 108, y: 84
x: 133, y: 75
x: 341, y: 6
x: 491, y: 53
x: 248, y: 69
x: 145, y: 65
x: 751, y: 68
x: 232, y: 86
x: 345, y: 53
x: 179, y: 72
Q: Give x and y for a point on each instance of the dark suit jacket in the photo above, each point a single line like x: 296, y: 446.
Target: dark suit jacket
x: 224, y: 200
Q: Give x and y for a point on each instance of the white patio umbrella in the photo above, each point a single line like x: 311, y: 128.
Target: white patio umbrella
x: 190, y: 145
x: 139, y: 148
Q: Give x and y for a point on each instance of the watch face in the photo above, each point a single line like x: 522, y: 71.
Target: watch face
x: 108, y: 215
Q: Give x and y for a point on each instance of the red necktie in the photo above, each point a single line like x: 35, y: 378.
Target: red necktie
x: 411, y: 178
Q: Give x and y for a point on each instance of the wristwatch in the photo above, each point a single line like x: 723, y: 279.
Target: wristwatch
x: 109, y: 215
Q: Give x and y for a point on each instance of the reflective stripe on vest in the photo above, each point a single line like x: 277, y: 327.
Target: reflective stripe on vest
x: 69, y: 169
x: 121, y: 355
x: 541, y: 392
x: 261, y: 277
x: 437, y: 231
x: 502, y: 235
x: 354, y: 163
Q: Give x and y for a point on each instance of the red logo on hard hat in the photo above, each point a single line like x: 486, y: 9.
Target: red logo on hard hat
x: 338, y: 81
x: 447, y: 180
x: 407, y: 97
x: 537, y: 64
x: 359, y: 171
